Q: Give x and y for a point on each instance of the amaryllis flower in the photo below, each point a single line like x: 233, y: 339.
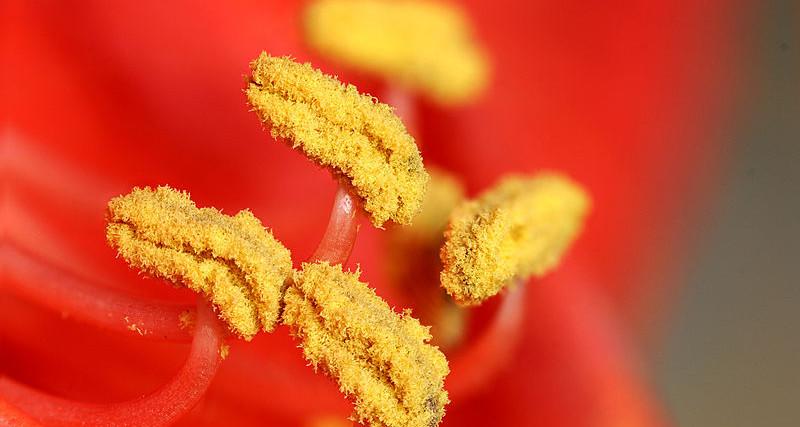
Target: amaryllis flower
x: 98, y: 97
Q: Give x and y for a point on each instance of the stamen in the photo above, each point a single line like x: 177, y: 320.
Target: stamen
x: 72, y: 296
x: 477, y: 365
x: 173, y: 400
x: 378, y: 357
x: 234, y: 260
x: 421, y: 44
x: 336, y: 127
x: 520, y: 228
x: 340, y: 236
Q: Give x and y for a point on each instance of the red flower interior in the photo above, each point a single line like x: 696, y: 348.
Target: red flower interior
x: 629, y: 99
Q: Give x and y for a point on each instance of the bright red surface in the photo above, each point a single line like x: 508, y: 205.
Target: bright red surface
x: 629, y: 98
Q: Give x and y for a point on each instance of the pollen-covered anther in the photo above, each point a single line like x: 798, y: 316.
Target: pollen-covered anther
x: 422, y: 44
x: 352, y: 134
x: 233, y: 260
x: 519, y: 228
x: 380, y: 358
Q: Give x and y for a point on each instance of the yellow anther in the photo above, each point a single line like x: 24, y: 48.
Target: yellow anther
x: 338, y: 128
x: 233, y: 260
x: 520, y: 228
x: 422, y: 44
x: 443, y: 195
x: 379, y: 357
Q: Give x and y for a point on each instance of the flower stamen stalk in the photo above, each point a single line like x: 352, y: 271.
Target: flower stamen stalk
x: 477, y: 364
x: 404, y: 103
x: 65, y: 292
x: 166, y: 405
x: 340, y: 235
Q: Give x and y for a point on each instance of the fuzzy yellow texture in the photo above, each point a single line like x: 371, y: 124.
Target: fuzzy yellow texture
x: 519, y: 228
x: 233, y: 260
x: 422, y: 44
x: 343, y: 130
x: 379, y: 357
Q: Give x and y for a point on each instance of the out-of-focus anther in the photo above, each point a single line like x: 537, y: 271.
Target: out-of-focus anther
x: 419, y: 44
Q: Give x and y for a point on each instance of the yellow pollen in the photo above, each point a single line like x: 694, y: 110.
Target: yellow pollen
x: 233, y: 260
x: 379, y: 357
x: 186, y: 320
x: 224, y: 351
x: 338, y: 128
x: 519, y: 228
x: 426, y: 45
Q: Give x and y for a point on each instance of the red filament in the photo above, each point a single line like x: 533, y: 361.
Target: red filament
x: 167, y: 404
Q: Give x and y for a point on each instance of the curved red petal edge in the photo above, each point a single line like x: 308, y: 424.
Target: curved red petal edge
x: 166, y: 405
x: 597, y: 348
